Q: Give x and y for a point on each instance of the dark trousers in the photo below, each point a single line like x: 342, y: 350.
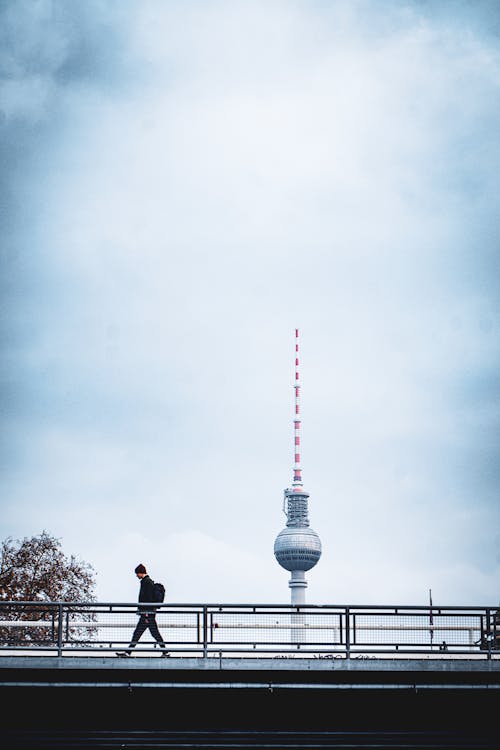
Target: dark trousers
x: 146, y: 620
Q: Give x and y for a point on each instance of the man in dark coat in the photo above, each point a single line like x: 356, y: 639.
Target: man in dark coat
x: 147, y: 619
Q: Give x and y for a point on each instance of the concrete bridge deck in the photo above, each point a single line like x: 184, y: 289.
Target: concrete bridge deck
x: 233, y: 672
x: 148, y: 701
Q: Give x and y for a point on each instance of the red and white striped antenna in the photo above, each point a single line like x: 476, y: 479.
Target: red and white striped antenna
x: 297, y: 469
x: 297, y: 547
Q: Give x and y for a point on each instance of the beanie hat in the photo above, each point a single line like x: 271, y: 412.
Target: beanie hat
x: 140, y: 569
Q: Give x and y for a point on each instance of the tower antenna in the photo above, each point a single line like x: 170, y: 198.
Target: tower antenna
x: 297, y: 470
x: 297, y: 547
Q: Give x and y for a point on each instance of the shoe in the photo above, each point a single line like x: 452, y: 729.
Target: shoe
x: 123, y: 653
x: 165, y: 653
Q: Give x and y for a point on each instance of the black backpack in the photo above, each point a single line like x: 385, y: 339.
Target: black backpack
x: 158, y: 592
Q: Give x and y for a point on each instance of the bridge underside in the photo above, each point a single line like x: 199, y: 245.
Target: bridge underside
x: 99, y: 702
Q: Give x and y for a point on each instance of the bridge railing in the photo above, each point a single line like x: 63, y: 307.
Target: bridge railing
x: 324, y: 631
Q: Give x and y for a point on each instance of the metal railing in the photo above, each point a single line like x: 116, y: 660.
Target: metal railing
x: 322, y: 631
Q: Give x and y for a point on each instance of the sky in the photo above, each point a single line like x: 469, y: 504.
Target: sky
x: 182, y: 184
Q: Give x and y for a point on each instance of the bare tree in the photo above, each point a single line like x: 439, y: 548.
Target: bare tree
x: 37, y: 570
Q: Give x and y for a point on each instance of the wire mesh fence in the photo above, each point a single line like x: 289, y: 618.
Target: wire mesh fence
x: 274, y: 630
x: 419, y: 630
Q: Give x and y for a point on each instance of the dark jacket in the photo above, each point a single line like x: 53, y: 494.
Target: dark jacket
x: 146, y: 594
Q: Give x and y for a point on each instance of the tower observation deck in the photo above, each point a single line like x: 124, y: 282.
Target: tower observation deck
x: 297, y: 547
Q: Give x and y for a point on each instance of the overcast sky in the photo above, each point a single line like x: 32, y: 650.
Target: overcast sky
x: 182, y: 184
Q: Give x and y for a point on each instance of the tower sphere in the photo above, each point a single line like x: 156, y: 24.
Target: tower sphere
x: 297, y: 548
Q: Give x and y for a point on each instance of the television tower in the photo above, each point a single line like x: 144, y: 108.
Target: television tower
x: 297, y: 548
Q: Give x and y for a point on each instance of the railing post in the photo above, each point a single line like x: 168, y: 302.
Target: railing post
x: 205, y: 631
x: 347, y: 633
x: 60, y: 629
x: 489, y: 631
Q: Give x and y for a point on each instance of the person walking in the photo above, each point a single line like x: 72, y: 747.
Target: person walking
x: 147, y: 614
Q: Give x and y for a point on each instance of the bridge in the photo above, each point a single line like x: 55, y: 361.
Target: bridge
x: 246, y: 675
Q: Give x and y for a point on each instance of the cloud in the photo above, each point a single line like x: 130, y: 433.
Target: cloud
x: 186, y: 184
